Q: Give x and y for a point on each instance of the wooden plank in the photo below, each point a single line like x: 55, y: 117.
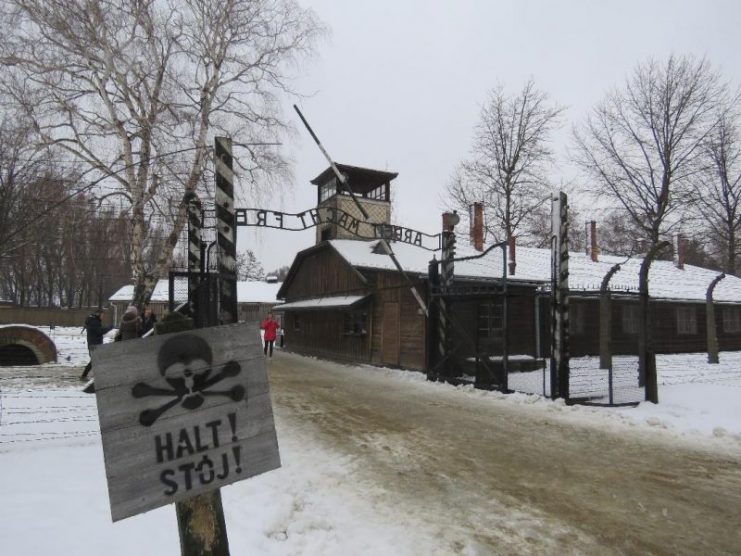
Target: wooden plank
x: 183, y: 414
x: 390, y: 333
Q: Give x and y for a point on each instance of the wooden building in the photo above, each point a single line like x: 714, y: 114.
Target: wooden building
x: 255, y: 298
x: 346, y: 300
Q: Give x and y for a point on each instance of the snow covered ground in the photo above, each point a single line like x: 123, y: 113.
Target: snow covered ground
x: 54, y: 489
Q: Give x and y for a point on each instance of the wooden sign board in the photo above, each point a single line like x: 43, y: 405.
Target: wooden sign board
x: 182, y: 414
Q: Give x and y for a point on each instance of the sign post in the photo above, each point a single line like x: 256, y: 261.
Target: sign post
x: 182, y: 415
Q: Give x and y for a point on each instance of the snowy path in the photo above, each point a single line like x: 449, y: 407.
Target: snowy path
x: 378, y: 462
x: 497, y: 477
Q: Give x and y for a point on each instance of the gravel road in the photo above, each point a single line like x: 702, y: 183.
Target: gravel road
x: 511, y: 478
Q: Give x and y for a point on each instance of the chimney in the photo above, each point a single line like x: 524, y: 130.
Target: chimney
x: 593, y: 249
x: 477, y: 226
x: 450, y: 220
x: 680, y: 246
x: 512, y: 255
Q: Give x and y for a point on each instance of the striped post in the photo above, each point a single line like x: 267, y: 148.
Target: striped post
x: 433, y: 285
x: 447, y: 271
x: 207, y: 508
x: 194, y: 254
x: 227, y: 232
x: 560, y: 297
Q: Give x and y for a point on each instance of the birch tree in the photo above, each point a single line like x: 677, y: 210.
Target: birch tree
x: 509, y: 160
x: 136, y: 90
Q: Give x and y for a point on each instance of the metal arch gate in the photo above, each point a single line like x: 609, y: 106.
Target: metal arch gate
x: 446, y: 334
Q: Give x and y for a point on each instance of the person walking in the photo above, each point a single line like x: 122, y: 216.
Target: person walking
x: 148, y: 321
x: 270, y: 327
x: 95, y: 332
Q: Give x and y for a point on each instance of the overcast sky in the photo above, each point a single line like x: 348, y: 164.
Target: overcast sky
x: 398, y: 84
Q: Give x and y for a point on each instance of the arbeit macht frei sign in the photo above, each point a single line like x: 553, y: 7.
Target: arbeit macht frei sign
x: 182, y: 414
x: 262, y: 218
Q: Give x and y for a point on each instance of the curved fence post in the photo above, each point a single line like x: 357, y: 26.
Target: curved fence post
x: 605, y: 320
x: 646, y: 356
x: 710, y: 327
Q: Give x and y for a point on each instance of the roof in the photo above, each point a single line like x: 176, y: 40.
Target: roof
x: 248, y: 291
x: 317, y: 303
x: 361, y: 179
x: 533, y: 266
x: 666, y: 281
x: 415, y: 260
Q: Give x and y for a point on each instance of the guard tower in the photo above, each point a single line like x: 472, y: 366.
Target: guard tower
x: 372, y: 188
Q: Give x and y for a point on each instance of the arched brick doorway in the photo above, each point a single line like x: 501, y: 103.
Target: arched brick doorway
x: 25, y: 345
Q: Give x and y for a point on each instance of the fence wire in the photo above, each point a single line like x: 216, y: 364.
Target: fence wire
x: 40, y: 405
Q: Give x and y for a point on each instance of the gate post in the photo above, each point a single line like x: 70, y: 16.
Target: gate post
x: 447, y: 269
x: 201, y: 522
x: 560, y: 296
x: 194, y: 256
x: 433, y: 288
x: 226, y: 230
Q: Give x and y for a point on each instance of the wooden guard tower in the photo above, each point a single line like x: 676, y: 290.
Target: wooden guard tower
x: 371, y: 187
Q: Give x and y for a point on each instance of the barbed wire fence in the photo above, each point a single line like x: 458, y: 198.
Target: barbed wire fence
x: 40, y: 407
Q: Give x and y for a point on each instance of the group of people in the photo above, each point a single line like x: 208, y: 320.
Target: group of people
x: 132, y: 326
x: 135, y: 326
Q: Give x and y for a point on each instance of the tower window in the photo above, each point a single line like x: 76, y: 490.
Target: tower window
x: 327, y: 190
x: 378, y: 193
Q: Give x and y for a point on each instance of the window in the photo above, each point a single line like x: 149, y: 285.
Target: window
x: 731, y: 319
x: 577, y: 316
x: 491, y: 319
x: 296, y: 323
x: 631, y: 318
x: 327, y: 190
x: 378, y: 193
x: 356, y: 323
x: 686, y: 320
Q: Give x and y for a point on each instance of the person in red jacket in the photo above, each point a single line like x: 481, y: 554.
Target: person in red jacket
x: 270, y: 326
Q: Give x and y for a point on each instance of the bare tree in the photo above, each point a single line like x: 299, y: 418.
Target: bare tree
x: 717, y: 190
x: 249, y: 267
x: 640, y: 146
x: 21, y: 165
x: 135, y: 89
x: 509, y: 158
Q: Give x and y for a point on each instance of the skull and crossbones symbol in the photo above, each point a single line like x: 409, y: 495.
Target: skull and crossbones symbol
x: 184, y: 361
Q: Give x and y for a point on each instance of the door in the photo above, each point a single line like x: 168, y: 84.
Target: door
x: 390, y: 339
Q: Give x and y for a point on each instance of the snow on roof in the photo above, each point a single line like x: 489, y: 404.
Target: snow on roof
x: 666, y: 281
x: 414, y: 259
x: 323, y: 302
x: 257, y: 292
x: 247, y: 291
